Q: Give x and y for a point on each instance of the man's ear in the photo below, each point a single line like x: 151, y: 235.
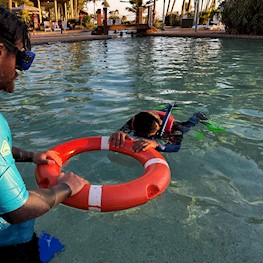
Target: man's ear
x: 1, y: 48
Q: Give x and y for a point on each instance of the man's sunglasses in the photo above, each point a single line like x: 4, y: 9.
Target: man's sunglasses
x: 24, y: 58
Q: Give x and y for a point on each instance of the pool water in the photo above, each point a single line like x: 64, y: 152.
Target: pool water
x: 212, y: 210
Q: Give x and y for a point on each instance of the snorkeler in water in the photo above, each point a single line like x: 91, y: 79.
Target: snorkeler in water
x: 149, y: 131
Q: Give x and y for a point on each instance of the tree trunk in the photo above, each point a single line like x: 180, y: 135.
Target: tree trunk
x: 154, y: 10
x: 172, y: 9
x: 168, y: 6
x: 182, y: 12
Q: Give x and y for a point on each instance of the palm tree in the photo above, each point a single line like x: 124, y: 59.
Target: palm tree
x: 154, y: 10
x: 173, y: 6
x: 168, y: 6
x: 135, y: 4
x: 183, y: 8
x: 188, y: 6
x: 114, y: 14
x: 210, y: 4
x: 202, y: 3
x: 94, y: 3
x: 105, y: 4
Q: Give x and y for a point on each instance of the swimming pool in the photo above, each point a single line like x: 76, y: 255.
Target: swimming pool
x: 212, y: 209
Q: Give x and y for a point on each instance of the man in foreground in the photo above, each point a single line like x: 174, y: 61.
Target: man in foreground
x: 18, y: 205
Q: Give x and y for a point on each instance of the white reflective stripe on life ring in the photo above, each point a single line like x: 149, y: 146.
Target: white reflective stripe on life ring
x: 155, y: 160
x: 95, y: 194
x: 105, y: 143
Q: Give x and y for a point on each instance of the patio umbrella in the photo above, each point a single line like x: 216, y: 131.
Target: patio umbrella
x: 26, y: 7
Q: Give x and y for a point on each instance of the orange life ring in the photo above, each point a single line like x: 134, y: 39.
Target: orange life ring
x: 106, y: 198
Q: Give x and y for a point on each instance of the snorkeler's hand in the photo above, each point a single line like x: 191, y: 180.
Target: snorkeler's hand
x: 118, y: 138
x: 48, y: 157
x: 143, y: 145
x: 201, y: 116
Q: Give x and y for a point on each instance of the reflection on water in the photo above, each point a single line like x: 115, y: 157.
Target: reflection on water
x: 212, y: 210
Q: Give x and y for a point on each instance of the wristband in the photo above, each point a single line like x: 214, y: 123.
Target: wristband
x: 24, y: 156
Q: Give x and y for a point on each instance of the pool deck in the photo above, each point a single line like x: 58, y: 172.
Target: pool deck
x: 190, y: 32
x: 38, y: 38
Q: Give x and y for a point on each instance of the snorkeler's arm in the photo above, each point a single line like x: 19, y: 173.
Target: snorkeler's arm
x: 178, y: 130
x: 174, y: 141
x: 185, y: 126
x: 168, y: 147
x: 127, y: 127
x: 145, y: 144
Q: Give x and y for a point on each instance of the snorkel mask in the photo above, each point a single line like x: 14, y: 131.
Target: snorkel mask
x: 24, y: 58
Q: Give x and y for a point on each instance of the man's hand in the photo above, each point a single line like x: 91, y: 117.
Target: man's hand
x: 75, y: 182
x: 48, y: 157
x: 118, y: 138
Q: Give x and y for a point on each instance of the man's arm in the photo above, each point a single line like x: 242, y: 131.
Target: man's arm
x: 41, y: 200
x: 22, y: 155
x: 46, y: 157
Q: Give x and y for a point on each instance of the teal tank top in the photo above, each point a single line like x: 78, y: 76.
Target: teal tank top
x: 13, y: 192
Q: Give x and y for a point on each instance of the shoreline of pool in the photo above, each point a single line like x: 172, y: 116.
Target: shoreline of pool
x: 38, y: 38
x: 203, y: 33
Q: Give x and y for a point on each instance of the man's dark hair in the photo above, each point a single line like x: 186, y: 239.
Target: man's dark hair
x: 13, y: 29
x: 146, y: 122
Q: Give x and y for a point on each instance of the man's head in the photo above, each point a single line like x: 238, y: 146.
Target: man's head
x: 146, y: 123
x: 14, y: 44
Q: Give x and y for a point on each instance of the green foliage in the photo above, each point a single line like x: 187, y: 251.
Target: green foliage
x: 135, y: 4
x: 105, y: 4
x: 87, y: 22
x: 208, y: 14
x: 4, y: 3
x: 243, y: 16
x: 114, y: 14
x: 87, y: 19
x: 158, y: 24
x: 25, y: 16
x: 80, y: 4
x: 205, y: 15
x: 123, y: 19
x: 173, y: 19
x: 79, y: 27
